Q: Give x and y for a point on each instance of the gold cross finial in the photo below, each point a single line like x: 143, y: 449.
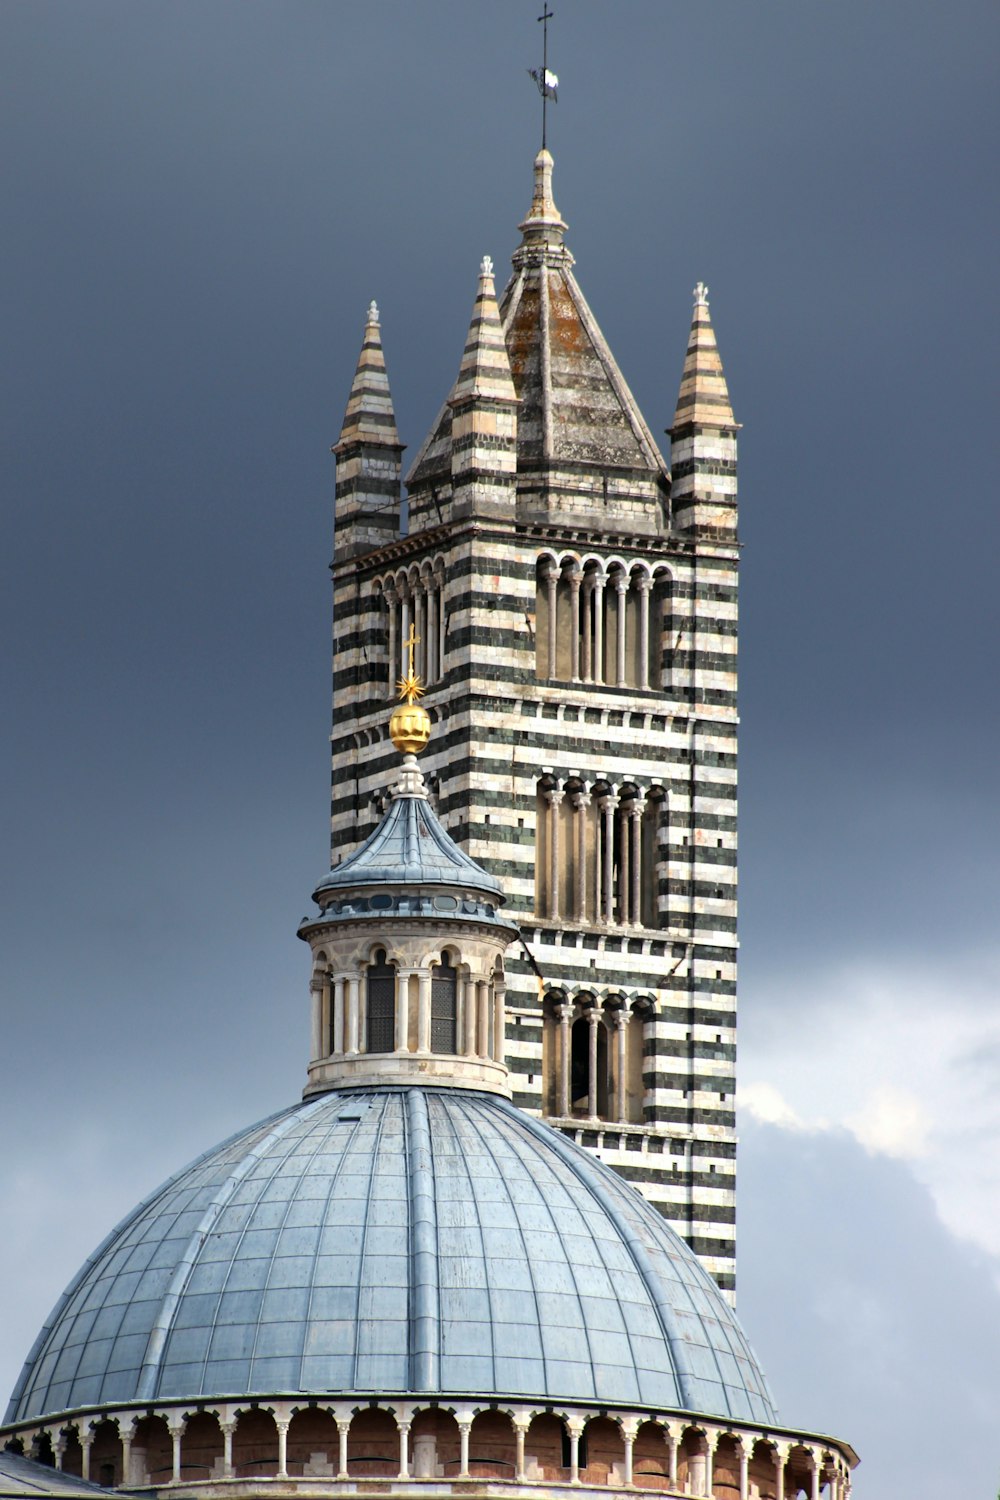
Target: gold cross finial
x: 409, y: 687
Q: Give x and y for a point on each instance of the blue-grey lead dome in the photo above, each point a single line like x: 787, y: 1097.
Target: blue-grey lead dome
x: 395, y: 1240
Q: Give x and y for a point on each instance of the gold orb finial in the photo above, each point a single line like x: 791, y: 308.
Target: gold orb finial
x: 410, y: 725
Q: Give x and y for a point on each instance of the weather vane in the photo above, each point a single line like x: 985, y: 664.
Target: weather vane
x: 548, y: 83
x: 409, y: 687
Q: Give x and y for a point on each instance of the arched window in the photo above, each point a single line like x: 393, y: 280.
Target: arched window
x: 589, y: 1066
x: 380, y: 1006
x: 444, y: 1008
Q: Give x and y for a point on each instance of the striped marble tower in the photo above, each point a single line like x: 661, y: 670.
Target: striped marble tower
x: 576, y: 615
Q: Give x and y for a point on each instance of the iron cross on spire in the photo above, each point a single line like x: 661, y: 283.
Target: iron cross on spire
x: 548, y: 83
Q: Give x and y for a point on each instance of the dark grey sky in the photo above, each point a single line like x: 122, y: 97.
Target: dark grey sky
x: 199, y: 202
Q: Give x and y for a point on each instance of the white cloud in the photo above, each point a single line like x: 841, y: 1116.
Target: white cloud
x: 903, y: 1056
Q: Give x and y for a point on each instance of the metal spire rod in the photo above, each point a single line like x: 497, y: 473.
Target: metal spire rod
x: 545, y: 18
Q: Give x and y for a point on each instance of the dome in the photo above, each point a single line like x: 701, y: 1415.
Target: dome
x: 394, y: 1240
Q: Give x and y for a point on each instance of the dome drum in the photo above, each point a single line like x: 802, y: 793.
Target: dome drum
x: 326, y: 1447
x: 406, y: 1002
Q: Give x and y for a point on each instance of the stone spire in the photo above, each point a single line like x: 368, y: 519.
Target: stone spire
x: 483, y: 411
x: 703, y: 435
x: 367, y: 512
x: 544, y: 224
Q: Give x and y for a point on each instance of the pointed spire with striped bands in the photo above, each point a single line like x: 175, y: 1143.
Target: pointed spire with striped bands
x: 703, y: 436
x: 484, y: 405
x: 367, y: 511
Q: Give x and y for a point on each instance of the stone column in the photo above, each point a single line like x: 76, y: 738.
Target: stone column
x: 574, y: 627
x: 521, y: 1425
x: 471, y: 1014
x: 621, y: 589
x: 552, y: 582
x: 461, y: 1037
x: 581, y: 802
x: 392, y: 601
x: 401, y: 1015
x: 338, y: 1013
x: 282, y: 1426
x: 228, y: 1428
x: 464, y: 1428
x: 499, y: 1020
x: 669, y: 1437
x: 780, y: 1456
x: 343, y: 1428
x: 586, y: 628
x: 623, y: 864
x: 316, y: 1037
x: 574, y: 1426
x: 599, y: 582
x: 431, y: 647
x: 622, y: 1018
x: 176, y: 1430
x: 87, y: 1442
x: 594, y: 1019
x: 564, y: 1059
x: 608, y: 806
x: 353, y: 1014
x: 555, y: 801
x: 126, y: 1432
x: 645, y: 585
x: 744, y: 1471
x: 483, y: 1005
x: 629, y: 1427
x: 59, y: 1450
x: 423, y: 1006
x: 404, y: 655
x: 815, y: 1474
x: 420, y: 653
x: 404, y: 1448
x: 710, y: 1442
x: 635, y: 818
x: 439, y: 650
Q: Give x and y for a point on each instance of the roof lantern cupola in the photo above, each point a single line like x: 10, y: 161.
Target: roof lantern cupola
x: 408, y: 979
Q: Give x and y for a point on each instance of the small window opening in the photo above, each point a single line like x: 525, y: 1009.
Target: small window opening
x: 381, y: 1004
x: 444, y: 1008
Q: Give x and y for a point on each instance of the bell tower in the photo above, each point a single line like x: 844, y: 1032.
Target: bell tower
x: 575, y: 607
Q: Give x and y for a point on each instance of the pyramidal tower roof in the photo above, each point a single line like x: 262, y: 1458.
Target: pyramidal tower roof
x: 485, y: 368
x: 704, y: 395
x: 575, y: 406
x: 369, y: 417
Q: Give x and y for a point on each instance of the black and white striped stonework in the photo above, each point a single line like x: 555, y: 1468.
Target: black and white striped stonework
x: 578, y: 636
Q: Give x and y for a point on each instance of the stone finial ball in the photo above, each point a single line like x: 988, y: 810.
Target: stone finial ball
x: 410, y: 728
